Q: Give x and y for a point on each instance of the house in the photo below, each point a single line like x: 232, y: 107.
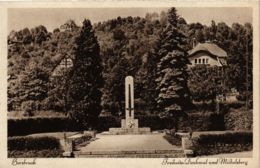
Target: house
x: 207, y: 53
x: 64, y: 64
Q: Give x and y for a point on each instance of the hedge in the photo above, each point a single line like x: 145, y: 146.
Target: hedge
x: 26, y: 126
x: 81, y: 140
x: 205, y: 121
x: 46, y: 153
x: 173, y: 139
x: 33, y: 143
x: 208, y: 144
x: 194, y: 121
x: 224, y: 107
x: 239, y: 119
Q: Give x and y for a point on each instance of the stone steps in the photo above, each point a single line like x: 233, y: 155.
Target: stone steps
x: 130, y: 154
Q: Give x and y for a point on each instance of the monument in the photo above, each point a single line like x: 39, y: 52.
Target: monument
x: 129, y: 125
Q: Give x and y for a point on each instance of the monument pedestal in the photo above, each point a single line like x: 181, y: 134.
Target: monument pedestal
x: 129, y: 125
x: 123, y: 131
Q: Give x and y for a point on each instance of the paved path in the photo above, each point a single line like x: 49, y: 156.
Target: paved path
x: 129, y: 143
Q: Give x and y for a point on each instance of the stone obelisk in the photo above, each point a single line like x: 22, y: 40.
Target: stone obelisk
x: 129, y: 125
x: 129, y: 121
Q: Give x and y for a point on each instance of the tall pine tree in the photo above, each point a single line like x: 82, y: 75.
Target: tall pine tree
x: 84, y: 90
x: 173, y: 94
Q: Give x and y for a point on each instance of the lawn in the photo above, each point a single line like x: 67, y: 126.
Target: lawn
x: 59, y: 135
x: 19, y: 114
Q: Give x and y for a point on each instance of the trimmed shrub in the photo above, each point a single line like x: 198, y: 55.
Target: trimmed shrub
x: 46, y: 153
x: 208, y: 144
x: 83, y: 139
x: 155, y: 122
x: 104, y: 123
x: 196, y: 121
x: 33, y: 143
x: 205, y: 122
x: 26, y: 126
x: 173, y: 139
x: 224, y: 107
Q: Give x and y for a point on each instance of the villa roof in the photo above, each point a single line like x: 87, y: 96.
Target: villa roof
x: 209, y: 47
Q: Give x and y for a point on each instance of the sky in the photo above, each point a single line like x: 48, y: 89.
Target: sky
x: 51, y: 18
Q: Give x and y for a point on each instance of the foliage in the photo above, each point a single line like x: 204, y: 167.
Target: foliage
x: 229, y: 142
x: 39, y: 113
x: 201, y: 121
x: 31, y: 64
x: 46, y: 153
x: 30, y: 125
x: 84, y: 89
x: 33, y: 143
x: 174, y: 139
x: 173, y: 93
x: 205, y: 82
x: 128, y: 46
x: 239, y: 119
x: 60, y: 76
x: 83, y: 139
x: 196, y: 121
x: 126, y: 55
x: 223, y: 107
x: 29, y: 107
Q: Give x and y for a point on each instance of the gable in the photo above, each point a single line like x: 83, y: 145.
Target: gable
x: 64, y: 64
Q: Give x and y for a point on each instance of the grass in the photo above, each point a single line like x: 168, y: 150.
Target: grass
x: 59, y: 135
x: 19, y: 114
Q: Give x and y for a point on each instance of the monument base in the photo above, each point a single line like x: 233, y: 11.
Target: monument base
x: 129, y: 126
x: 122, y: 131
x: 129, y: 123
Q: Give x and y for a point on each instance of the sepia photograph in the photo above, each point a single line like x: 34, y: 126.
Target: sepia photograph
x: 130, y: 82
x: 173, y: 85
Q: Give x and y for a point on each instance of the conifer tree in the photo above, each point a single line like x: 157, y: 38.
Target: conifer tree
x: 173, y: 93
x: 84, y: 90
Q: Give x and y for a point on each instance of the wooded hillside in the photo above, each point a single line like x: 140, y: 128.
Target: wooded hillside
x: 127, y: 47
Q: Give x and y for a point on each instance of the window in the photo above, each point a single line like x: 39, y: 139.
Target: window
x: 203, y: 61
x: 199, y: 61
x: 195, y: 61
x: 207, y: 61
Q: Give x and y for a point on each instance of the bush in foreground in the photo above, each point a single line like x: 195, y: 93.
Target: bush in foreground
x: 33, y: 143
x: 209, y: 144
x: 239, y: 119
x: 196, y: 121
x: 47, y: 153
x: 173, y: 139
x: 34, y: 147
